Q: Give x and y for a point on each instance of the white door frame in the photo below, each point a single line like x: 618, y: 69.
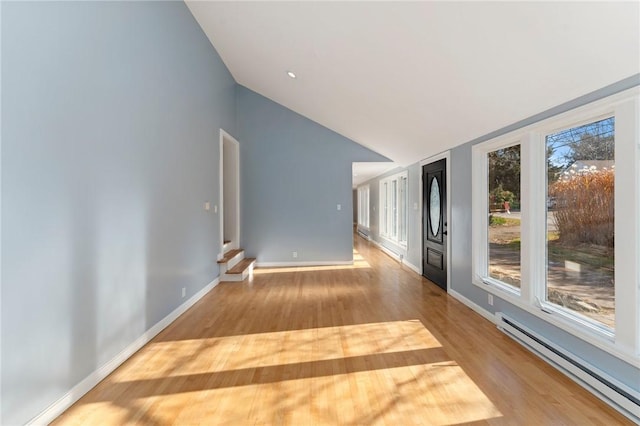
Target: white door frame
x: 447, y: 156
x: 234, y: 144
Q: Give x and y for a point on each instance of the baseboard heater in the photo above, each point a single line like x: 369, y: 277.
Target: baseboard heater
x: 613, y: 392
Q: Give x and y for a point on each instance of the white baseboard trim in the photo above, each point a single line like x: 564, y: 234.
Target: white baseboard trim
x: 364, y: 236
x: 396, y: 256
x: 474, y: 306
x: 89, y: 382
x: 389, y: 252
x: 411, y: 266
x: 294, y: 264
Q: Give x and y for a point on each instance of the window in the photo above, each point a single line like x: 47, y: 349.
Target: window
x: 363, y: 206
x: 393, y: 208
x: 580, y: 220
x: 503, y: 224
x: 402, y: 209
x: 384, y: 208
x: 555, y: 221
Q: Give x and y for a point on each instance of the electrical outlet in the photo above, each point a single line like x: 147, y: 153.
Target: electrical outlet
x: 184, y: 291
x: 339, y: 206
x: 294, y: 254
x: 490, y: 299
x: 207, y: 206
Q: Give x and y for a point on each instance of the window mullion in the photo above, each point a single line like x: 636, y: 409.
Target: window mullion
x: 480, y: 204
x: 534, y: 218
x: 627, y: 211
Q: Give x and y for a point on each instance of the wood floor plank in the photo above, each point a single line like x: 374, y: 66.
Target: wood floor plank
x: 371, y: 343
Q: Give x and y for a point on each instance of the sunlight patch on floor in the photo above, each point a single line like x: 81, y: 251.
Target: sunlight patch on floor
x: 357, y: 374
x: 276, y: 348
x: 359, y: 262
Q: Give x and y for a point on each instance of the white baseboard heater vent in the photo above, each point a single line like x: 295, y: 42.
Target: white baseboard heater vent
x: 364, y: 235
x: 610, y: 390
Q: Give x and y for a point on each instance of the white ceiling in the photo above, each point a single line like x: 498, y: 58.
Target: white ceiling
x: 409, y: 80
x: 363, y: 172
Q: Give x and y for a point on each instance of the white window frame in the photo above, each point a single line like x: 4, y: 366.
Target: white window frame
x: 481, y: 222
x: 390, y: 218
x: 363, y: 206
x: 624, y: 342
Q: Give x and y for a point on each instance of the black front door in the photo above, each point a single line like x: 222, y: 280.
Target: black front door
x: 434, y: 222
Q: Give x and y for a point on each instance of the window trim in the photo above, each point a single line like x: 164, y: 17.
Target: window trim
x: 387, y: 210
x: 624, y: 342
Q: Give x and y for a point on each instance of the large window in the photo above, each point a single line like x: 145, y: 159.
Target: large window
x: 555, y: 221
x: 363, y: 206
x: 580, y: 220
x: 393, y: 208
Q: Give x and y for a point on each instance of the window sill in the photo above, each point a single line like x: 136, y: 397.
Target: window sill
x: 402, y: 246
x: 498, y: 285
x: 596, y: 336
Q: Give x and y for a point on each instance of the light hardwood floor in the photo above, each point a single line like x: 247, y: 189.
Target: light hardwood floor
x: 371, y: 343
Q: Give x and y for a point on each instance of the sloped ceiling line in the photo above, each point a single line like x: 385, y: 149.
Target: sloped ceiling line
x: 411, y: 79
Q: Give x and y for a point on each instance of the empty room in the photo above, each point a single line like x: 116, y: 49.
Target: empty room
x: 323, y: 212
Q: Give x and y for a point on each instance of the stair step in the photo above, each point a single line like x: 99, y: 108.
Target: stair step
x: 241, y: 266
x: 230, y: 255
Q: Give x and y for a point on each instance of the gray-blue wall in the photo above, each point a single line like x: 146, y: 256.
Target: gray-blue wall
x: 294, y: 174
x: 110, y: 124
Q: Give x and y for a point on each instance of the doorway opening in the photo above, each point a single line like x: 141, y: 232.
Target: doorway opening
x: 229, y: 192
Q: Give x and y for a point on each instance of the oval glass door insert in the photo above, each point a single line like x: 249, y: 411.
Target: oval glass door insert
x: 434, y: 206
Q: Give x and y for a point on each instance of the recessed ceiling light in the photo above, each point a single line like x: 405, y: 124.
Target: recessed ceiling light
x: 291, y: 74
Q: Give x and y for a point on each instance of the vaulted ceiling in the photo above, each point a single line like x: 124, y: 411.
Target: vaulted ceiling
x: 409, y: 80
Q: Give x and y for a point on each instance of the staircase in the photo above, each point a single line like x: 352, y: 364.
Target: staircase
x: 235, y: 267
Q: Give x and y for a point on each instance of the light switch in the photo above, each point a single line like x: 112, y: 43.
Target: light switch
x: 339, y: 207
x: 207, y: 206
x: 215, y: 208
